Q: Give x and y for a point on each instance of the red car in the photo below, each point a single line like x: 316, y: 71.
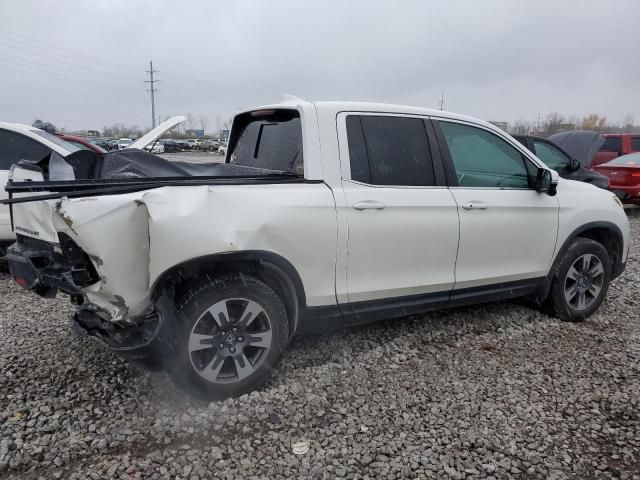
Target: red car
x: 616, y: 145
x: 624, y: 176
x: 82, y: 143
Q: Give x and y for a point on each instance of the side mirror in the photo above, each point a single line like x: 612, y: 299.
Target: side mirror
x: 574, y: 164
x: 546, y: 181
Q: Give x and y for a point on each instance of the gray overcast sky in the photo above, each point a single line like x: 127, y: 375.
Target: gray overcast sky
x: 81, y: 64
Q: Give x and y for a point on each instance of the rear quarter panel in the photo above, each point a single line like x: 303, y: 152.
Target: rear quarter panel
x: 295, y: 221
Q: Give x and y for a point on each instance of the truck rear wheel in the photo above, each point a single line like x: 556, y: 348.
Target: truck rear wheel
x: 233, y: 331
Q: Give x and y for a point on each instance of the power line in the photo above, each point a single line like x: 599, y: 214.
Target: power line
x: 39, y: 75
x: 40, y: 43
x: 47, y: 68
x: 48, y: 57
x: 152, y: 90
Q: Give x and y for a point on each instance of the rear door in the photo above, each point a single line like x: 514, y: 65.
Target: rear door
x: 13, y: 148
x: 402, y: 220
x: 507, y: 229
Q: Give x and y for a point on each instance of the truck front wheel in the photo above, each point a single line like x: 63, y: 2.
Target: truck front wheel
x: 580, y: 281
x: 233, y: 331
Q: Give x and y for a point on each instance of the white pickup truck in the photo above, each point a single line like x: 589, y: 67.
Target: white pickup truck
x: 324, y: 215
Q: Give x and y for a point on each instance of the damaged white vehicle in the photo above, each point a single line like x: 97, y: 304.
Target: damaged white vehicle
x: 325, y: 214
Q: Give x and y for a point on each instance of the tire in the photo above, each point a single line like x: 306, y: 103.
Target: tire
x: 580, y: 281
x: 236, y: 353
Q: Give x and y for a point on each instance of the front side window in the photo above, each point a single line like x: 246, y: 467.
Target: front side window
x: 611, y: 144
x: 482, y: 159
x: 268, y: 139
x: 15, y: 147
x: 388, y: 150
x: 551, y: 156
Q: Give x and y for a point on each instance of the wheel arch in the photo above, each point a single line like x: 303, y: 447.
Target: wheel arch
x: 271, y: 268
x: 608, y: 234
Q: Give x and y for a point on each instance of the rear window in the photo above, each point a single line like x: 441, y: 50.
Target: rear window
x: 57, y: 140
x: 268, y: 139
x: 611, y: 144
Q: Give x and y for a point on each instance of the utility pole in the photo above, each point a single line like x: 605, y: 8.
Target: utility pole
x: 442, y: 101
x: 152, y: 90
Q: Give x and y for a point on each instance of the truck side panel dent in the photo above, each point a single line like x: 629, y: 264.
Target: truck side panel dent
x: 140, y: 235
x: 191, y: 222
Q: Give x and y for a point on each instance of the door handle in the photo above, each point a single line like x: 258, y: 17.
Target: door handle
x: 473, y: 205
x: 369, y: 205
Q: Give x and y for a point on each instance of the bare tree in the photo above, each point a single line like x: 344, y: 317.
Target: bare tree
x: 554, y: 123
x: 627, y: 123
x: 190, y: 121
x: 521, y: 127
x: 595, y: 122
x: 204, y: 121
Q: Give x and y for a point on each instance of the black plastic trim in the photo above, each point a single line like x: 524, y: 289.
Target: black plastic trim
x: 332, y: 317
x: 600, y: 224
x: 259, y: 257
x: 436, y: 156
x: 445, y: 155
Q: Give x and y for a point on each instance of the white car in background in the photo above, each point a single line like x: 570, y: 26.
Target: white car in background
x: 18, y: 142
x: 193, y: 143
x: 156, y: 147
x: 124, y: 143
x: 222, y: 149
x: 23, y: 142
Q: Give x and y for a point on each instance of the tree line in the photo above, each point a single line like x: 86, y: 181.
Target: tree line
x: 556, y: 122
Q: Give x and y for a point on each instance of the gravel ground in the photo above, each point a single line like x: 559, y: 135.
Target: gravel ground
x: 497, y: 391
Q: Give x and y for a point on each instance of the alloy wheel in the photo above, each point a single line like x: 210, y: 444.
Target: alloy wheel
x: 583, y: 282
x: 230, y: 340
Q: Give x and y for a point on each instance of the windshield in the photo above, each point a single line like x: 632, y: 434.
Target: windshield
x: 269, y: 139
x: 69, y: 147
x: 631, y: 159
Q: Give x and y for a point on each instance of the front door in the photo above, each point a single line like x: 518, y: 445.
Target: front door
x: 507, y: 229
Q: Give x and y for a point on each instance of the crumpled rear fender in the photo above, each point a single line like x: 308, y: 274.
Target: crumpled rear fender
x: 134, y: 238
x: 114, y: 232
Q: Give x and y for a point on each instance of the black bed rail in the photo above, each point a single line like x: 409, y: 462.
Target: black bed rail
x: 86, y: 188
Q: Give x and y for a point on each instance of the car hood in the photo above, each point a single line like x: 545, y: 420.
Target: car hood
x: 580, y: 144
x: 155, y: 133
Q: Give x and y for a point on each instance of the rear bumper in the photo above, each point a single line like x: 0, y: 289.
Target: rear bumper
x: 147, y: 340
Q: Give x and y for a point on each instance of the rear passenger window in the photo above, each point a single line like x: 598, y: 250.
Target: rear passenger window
x: 387, y: 150
x: 15, y: 147
x: 635, y: 144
